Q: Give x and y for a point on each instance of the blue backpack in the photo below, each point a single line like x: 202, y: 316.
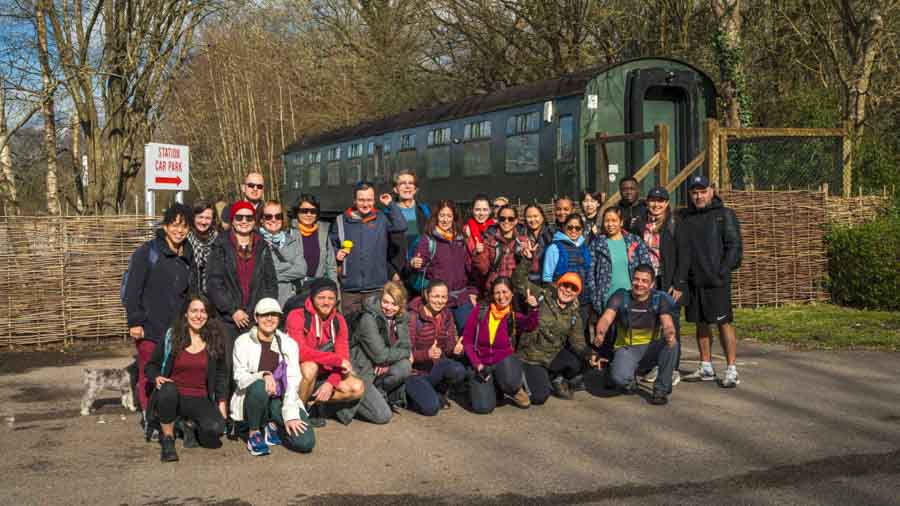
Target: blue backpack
x: 153, y: 256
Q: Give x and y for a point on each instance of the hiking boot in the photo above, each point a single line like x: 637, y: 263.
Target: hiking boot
x: 731, y: 379
x: 256, y: 445
x: 272, y: 438
x: 167, y: 451
x: 231, y: 430
x: 700, y: 374
x: 576, y: 384
x: 521, y: 398
x: 630, y: 388
x: 445, y: 401
x: 650, y: 377
x: 659, y: 398
x: 189, y: 435
x: 676, y: 378
x: 561, y: 388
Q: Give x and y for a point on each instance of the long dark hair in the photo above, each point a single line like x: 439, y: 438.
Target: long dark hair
x: 456, y: 229
x: 211, y: 333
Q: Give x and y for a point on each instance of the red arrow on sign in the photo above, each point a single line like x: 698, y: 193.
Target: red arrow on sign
x: 169, y: 180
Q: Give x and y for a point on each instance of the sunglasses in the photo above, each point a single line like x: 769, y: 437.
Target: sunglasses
x: 243, y: 217
x: 307, y: 210
x: 254, y: 186
x: 574, y: 228
x: 507, y: 219
x: 276, y: 216
x: 569, y: 286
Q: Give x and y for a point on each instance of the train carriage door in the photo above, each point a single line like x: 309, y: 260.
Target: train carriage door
x: 655, y: 96
x: 566, y: 169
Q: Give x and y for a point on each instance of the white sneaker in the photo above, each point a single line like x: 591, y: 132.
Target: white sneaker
x: 650, y: 377
x: 731, y: 379
x: 676, y: 378
x: 700, y: 374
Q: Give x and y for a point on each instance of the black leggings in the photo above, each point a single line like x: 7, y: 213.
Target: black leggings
x: 201, y: 410
x: 566, y: 363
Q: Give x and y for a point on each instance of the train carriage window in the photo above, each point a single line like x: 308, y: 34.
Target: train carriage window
x: 437, y: 155
x: 296, y: 174
x: 314, y: 170
x: 353, y: 167
x: 388, y: 159
x: 565, y: 139
x: 477, y: 149
x: 407, y: 141
x: 522, y: 143
x: 333, y: 166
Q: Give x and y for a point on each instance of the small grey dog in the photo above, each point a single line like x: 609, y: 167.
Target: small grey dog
x: 120, y: 380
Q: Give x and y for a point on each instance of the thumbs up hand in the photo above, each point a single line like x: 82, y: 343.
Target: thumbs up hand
x: 434, y: 352
x: 416, y: 262
x: 530, y: 299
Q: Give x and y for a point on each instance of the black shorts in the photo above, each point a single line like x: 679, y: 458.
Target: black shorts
x: 710, y: 305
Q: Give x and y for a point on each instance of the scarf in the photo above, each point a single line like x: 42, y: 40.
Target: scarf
x: 307, y: 231
x: 365, y: 218
x: 201, y: 249
x: 477, y: 229
x: 276, y: 240
x: 438, y: 231
x: 496, y: 317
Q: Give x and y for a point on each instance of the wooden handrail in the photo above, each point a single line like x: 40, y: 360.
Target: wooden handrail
x: 686, y: 172
x: 639, y: 175
x: 745, y: 133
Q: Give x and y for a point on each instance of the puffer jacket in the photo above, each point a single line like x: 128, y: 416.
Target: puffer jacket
x: 709, y: 246
x: 601, y: 272
x: 290, y: 264
x: 542, y: 239
x: 424, y: 330
x: 556, y: 325
x: 370, y: 341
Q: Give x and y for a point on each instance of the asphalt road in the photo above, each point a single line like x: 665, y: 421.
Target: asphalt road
x: 802, y: 428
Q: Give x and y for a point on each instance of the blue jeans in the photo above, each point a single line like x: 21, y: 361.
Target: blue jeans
x: 629, y: 358
x: 422, y: 390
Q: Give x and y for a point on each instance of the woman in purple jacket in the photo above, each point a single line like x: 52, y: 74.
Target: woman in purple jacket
x: 489, y: 346
x: 442, y: 254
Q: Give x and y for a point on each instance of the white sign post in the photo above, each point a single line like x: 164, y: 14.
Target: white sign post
x: 166, y: 167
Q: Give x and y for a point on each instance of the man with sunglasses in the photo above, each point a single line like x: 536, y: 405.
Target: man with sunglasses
x: 361, y: 237
x: 639, y: 314
x: 252, y: 192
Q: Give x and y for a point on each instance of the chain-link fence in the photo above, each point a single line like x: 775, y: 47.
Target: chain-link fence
x: 786, y: 163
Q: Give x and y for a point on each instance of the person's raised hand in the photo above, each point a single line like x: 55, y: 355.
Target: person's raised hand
x: 530, y: 299
x: 341, y: 255
x: 386, y: 199
x: 434, y: 353
x: 458, y: 349
x: 136, y: 333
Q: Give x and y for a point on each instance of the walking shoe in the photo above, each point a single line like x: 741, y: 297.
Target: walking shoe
x: 700, y: 374
x: 445, y: 401
x: 272, y: 438
x: 731, y: 379
x: 521, y: 399
x: 561, y: 388
x: 189, y: 434
x: 576, y: 384
x: 256, y: 445
x: 630, y: 388
x: 676, y: 378
x: 651, y: 375
x: 167, y: 451
x: 659, y: 398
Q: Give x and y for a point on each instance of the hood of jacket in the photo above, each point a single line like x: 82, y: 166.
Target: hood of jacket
x: 372, y: 305
x: 559, y: 236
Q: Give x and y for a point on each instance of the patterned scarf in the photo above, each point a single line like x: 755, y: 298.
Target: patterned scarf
x: 201, y: 249
x: 276, y: 240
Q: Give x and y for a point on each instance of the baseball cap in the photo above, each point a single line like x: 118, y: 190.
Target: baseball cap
x: 658, y: 192
x: 698, y: 182
x: 267, y: 305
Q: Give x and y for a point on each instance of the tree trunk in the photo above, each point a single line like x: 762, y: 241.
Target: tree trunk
x: 48, y: 109
x: 862, y: 53
x: 77, y: 165
x: 730, y: 60
x: 6, y: 167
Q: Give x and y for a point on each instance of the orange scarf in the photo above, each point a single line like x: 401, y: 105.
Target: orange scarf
x: 446, y: 235
x: 308, y: 230
x: 498, y: 313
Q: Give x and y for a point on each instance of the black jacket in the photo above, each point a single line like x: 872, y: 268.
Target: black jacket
x: 222, y: 280
x: 156, y: 293
x: 668, y: 248
x: 631, y: 214
x: 216, y: 373
x: 709, y: 246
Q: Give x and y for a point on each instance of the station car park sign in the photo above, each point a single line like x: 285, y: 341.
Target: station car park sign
x: 166, y: 167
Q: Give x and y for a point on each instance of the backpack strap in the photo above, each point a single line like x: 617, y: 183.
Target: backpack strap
x: 339, y: 222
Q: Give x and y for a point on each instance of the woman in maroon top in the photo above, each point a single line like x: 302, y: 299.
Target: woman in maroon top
x: 190, y: 378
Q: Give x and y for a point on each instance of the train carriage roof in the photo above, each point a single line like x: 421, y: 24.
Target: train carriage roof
x: 528, y: 93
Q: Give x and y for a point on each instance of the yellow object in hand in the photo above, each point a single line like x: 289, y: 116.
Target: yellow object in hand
x: 347, y: 245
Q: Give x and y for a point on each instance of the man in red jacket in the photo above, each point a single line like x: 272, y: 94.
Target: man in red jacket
x: 322, y: 335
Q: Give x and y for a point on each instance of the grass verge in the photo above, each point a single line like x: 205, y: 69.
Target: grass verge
x: 817, y: 326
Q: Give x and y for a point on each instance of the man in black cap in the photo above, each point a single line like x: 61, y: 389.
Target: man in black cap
x: 709, y: 248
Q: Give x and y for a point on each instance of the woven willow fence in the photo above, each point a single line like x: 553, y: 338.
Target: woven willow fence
x: 59, y: 277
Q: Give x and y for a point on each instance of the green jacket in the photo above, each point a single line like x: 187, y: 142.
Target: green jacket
x: 370, y: 345
x: 556, y: 326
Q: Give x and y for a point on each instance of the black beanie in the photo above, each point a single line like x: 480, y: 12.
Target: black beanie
x: 321, y: 285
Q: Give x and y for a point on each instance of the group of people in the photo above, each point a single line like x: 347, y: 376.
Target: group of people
x: 267, y: 322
